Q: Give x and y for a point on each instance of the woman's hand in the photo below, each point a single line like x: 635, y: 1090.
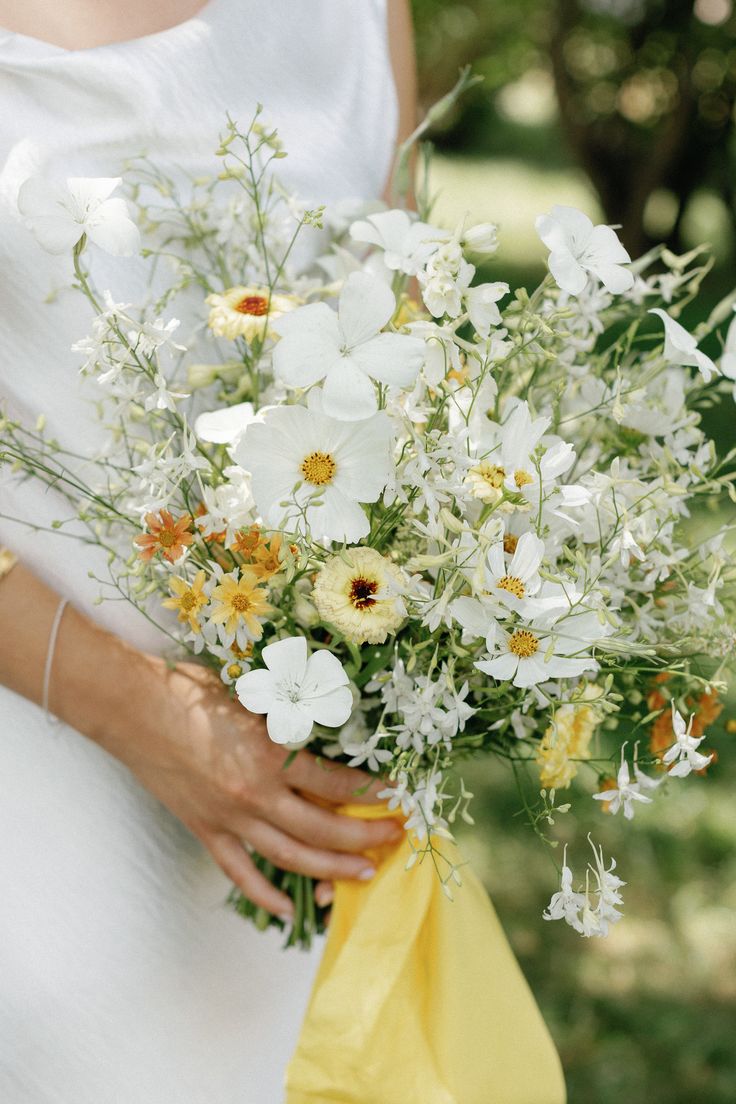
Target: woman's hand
x: 213, y: 765
x: 200, y: 753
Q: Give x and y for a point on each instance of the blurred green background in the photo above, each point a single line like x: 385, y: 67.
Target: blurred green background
x: 625, y: 109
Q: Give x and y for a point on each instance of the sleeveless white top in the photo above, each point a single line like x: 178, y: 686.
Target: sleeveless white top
x: 123, y: 977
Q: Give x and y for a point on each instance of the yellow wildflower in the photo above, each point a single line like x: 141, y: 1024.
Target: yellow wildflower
x: 241, y: 601
x: 566, y: 740
x: 188, y: 599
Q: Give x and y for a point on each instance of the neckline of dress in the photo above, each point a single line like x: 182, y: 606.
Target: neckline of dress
x: 202, y: 16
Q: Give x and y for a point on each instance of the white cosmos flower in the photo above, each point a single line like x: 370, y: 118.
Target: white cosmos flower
x: 225, y: 426
x: 294, y: 690
x: 346, y: 348
x: 60, y: 214
x: 337, y: 465
x: 406, y: 243
x: 578, y: 249
x: 683, y: 753
x: 515, y: 582
x: 535, y: 652
x: 520, y: 437
x: 680, y: 347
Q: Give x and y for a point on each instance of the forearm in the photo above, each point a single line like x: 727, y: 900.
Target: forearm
x: 96, y: 678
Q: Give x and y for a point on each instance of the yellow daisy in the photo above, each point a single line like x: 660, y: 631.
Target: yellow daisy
x: 188, y: 599
x: 241, y: 601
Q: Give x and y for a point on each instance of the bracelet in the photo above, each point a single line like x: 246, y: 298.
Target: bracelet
x: 8, y: 560
x: 52, y: 720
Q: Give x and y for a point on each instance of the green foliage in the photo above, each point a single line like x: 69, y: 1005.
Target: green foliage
x: 642, y: 93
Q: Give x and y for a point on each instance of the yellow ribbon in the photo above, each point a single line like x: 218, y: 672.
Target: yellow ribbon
x: 418, y: 999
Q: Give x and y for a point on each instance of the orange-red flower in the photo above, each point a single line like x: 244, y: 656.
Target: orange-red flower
x: 165, y: 535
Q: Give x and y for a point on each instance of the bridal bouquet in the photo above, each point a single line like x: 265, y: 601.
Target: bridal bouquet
x: 409, y: 516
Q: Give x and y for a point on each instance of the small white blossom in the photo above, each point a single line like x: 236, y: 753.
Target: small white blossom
x: 684, y: 754
x: 578, y: 249
x: 295, y: 690
x: 60, y: 214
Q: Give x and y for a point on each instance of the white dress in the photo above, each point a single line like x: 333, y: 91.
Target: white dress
x: 124, y: 979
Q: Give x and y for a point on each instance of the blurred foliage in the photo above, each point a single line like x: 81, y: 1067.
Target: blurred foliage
x: 640, y: 93
x: 648, y: 1015
x: 636, y: 97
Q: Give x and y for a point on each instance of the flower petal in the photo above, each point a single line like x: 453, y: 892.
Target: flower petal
x: 332, y: 709
x: 256, y: 690
x: 366, y: 305
x: 287, y: 658
x: 111, y: 228
x: 568, y: 273
x: 348, y: 394
x: 310, y: 344
x: 288, y: 722
x: 395, y: 359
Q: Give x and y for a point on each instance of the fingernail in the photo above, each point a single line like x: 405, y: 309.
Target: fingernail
x: 324, y: 896
x: 286, y: 917
x: 367, y: 874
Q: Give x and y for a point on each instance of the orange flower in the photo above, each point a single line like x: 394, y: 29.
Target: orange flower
x: 264, y: 556
x: 165, y: 535
x: 267, y: 558
x: 247, y: 541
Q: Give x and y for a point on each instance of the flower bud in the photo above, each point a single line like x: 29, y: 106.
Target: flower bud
x: 482, y: 238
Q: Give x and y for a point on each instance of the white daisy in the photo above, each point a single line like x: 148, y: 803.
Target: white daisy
x: 515, y: 582
x: 534, y: 652
x: 309, y: 470
x: 520, y: 437
x: 347, y: 349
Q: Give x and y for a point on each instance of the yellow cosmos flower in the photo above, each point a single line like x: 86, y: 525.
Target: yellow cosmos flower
x: 358, y: 593
x: 188, y: 599
x: 240, y: 602
x: 567, y: 740
x: 245, y: 311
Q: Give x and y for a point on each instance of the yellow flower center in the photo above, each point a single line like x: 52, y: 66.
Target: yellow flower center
x: 523, y: 643
x: 188, y: 600
x: 241, y: 602
x: 252, y: 304
x: 512, y: 584
x: 521, y: 478
x: 361, y: 593
x: 491, y: 474
x: 166, y: 538
x: 510, y: 542
x: 234, y: 671
x: 318, y: 468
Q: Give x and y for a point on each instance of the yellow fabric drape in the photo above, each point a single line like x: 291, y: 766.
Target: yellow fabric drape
x: 419, y: 1000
